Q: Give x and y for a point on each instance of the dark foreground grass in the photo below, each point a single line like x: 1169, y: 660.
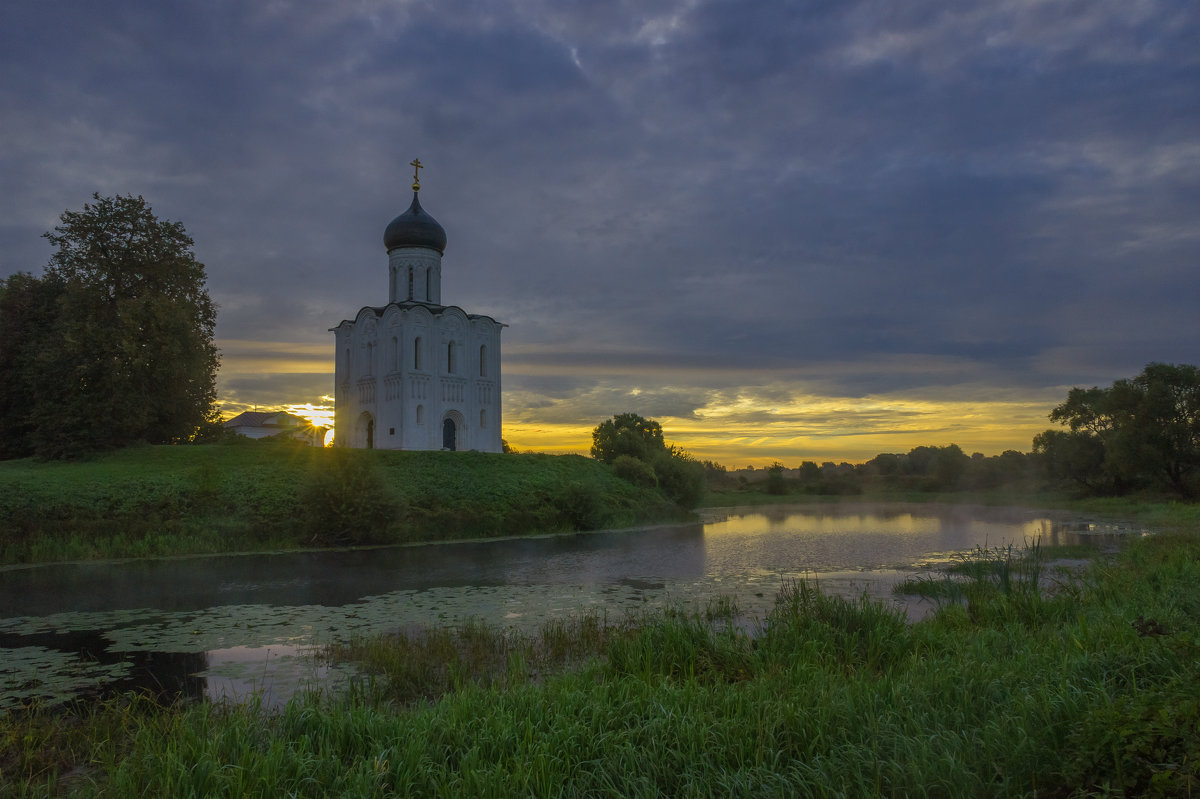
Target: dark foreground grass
x: 256, y: 496
x: 1090, y: 690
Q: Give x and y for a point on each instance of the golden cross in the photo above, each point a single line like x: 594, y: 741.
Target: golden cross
x: 416, y: 165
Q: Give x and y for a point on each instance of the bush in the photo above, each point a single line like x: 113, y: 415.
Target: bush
x: 634, y: 471
x: 346, y: 500
x: 680, y: 477
x: 580, y: 505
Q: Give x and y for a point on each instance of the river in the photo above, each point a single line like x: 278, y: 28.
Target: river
x: 233, y: 626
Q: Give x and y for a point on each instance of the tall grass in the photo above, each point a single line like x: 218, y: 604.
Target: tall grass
x: 1085, y: 692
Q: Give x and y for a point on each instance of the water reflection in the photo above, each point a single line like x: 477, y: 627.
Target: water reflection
x: 230, y: 626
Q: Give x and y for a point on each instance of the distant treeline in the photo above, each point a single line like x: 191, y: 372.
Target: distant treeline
x: 1140, y: 435
x: 925, y: 469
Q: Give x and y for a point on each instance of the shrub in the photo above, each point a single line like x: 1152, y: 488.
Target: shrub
x: 680, y: 477
x: 346, y: 499
x: 580, y: 505
x: 634, y: 471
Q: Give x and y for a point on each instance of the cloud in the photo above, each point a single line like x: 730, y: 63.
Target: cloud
x: 697, y: 200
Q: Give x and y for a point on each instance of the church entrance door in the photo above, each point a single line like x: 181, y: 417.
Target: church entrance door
x: 364, y: 432
x: 449, y: 435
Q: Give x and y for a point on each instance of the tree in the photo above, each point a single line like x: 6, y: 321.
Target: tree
x: 27, y: 305
x: 125, y: 352
x: 1073, y: 457
x: 775, y: 482
x: 627, y: 434
x: 1147, y: 429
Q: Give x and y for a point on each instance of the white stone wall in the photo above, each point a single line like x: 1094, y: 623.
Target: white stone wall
x: 408, y: 369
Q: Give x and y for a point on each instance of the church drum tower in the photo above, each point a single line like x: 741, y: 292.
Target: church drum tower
x: 416, y: 374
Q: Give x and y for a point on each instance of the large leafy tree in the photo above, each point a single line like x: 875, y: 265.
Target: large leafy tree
x: 627, y: 434
x: 124, y: 352
x: 1142, y: 430
x: 28, y: 308
x: 627, y: 440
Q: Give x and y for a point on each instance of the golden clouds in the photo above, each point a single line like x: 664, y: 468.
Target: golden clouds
x: 745, y: 427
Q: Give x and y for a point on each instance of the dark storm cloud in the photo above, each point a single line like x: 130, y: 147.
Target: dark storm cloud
x: 860, y: 197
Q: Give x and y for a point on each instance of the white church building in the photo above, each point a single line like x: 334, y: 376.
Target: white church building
x: 417, y: 374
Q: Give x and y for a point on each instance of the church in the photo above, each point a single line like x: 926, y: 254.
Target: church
x: 417, y: 374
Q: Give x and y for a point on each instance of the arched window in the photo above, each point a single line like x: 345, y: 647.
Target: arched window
x: 450, y: 358
x: 482, y: 419
x: 420, y: 414
x: 395, y: 354
x: 370, y: 370
x: 428, y: 294
x: 410, y: 282
x: 417, y: 352
x: 483, y: 360
x: 348, y: 363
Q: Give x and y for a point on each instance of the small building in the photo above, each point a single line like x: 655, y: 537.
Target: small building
x: 265, y: 424
x: 416, y: 374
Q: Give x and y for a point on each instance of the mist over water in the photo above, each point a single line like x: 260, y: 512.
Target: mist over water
x: 229, y: 625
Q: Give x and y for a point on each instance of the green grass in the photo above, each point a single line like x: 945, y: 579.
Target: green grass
x: 1024, y: 691
x: 257, y: 496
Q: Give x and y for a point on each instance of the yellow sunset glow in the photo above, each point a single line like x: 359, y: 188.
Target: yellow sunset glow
x: 318, y: 415
x: 770, y: 419
x: 820, y: 429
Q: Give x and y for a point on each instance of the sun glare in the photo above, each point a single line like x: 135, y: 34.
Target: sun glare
x: 318, y: 415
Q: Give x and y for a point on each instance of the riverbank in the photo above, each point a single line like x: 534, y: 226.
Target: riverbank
x: 1161, y: 513
x: 1084, y: 688
x: 264, y: 496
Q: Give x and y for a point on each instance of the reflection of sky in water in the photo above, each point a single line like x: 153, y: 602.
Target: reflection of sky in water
x: 786, y: 539
x: 269, y: 674
x: 248, y: 624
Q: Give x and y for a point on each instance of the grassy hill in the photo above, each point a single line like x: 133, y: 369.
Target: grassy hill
x: 251, y: 496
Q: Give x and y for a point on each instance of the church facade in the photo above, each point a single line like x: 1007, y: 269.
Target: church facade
x: 417, y: 374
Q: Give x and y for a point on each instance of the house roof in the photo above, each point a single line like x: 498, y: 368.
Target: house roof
x: 266, y: 419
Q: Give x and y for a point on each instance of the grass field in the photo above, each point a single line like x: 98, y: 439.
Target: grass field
x: 1087, y: 688
x: 254, y: 496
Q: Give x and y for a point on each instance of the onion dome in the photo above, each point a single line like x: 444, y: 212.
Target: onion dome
x: 415, y: 228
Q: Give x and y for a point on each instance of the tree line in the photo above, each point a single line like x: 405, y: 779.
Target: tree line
x: 113, y: 344
x: 1139, y: 434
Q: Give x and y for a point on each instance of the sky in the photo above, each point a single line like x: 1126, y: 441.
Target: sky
x: 785, y: 230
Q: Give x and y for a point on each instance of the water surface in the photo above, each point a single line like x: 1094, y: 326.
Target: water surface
x: 232, y: 625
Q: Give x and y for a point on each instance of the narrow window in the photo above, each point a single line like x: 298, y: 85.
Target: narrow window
x: 450, y: 358
x: 410, y: 282
x: 395, y: 354
x: 420, y: 414
x: 483, y: 360
x: 417, y: 353
x: 482, y: 419
x: 428, y: 295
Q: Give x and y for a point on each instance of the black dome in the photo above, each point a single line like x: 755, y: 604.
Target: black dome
x: 415, y: 228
